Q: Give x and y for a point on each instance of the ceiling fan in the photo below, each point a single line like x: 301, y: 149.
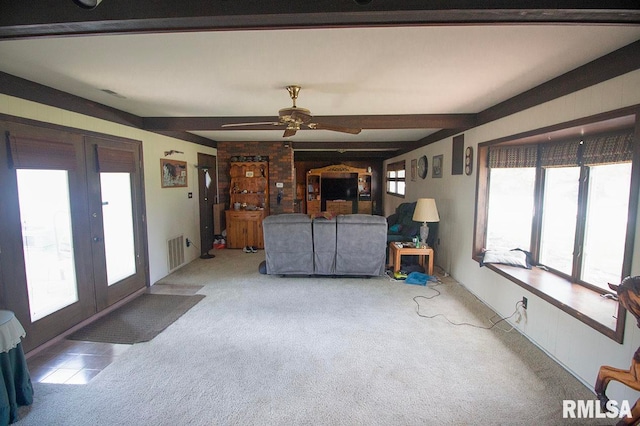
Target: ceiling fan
x: 294, y: 118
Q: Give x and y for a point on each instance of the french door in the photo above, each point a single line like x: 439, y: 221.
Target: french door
x: 72, y: 238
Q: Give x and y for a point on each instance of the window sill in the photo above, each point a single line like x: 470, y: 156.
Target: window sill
x: 602, y: 314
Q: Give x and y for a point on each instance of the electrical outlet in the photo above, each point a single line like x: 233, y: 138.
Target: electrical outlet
x: 524, y: 302
x: 188, y: 243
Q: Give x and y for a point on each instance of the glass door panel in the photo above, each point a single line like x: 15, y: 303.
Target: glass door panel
x: 117, y: 218
x: 45, y: 215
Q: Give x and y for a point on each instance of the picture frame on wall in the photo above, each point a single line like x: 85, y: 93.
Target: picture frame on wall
x: 414, y: 168
x: 173, y: 173
x: 436, y: 166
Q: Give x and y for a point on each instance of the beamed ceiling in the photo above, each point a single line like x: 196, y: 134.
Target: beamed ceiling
x: 406, y: 72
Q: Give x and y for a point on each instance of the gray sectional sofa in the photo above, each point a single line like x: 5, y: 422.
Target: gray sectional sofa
x: 295, y: 244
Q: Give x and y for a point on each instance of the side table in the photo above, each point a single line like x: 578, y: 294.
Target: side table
x: 397, y: 250
x: 15, y: 385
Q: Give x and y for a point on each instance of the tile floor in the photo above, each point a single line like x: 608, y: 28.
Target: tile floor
x: 73, y: 361
x: 77, y: 362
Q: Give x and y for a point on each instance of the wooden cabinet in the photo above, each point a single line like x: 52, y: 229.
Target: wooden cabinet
x: 244, y: 228
x: 249, y: 203
x: 249, y: 184
x: 340, y: 207
x: 339, y: 189
x: 313, y: 206
x: 365, y: 207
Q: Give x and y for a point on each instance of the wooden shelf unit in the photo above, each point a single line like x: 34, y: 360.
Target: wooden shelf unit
x: 249, y: 189
x: 315, y: 199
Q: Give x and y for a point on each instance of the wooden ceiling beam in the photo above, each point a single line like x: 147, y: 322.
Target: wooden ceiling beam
x: 335, y: 156
x: 347, y: 146
x: 397, y: 121
x: 42, y: 18
x: 406, y: 121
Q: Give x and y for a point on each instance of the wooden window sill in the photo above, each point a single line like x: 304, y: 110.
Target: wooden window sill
x: 602, y: 314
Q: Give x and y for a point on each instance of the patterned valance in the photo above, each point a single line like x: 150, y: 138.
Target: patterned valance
x: 513, y: 156
x: 608, y: 149
x: 591, y: 150
x: 560, y: 154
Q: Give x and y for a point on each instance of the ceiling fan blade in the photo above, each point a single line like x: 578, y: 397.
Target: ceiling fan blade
x: 289, y: 132
x: 259, y: 123
x: 320, y: 126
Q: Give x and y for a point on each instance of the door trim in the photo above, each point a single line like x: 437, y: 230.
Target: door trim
x: 11, y: 235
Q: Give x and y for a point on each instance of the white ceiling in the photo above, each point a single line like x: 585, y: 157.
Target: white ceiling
x: 342, y: 71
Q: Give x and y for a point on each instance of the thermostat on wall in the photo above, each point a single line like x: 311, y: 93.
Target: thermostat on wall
x: 279, y: 185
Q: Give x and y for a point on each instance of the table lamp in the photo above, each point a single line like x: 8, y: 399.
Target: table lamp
x: 426, y: 211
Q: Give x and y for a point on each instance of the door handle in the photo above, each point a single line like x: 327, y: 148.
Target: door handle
x: 97, y: 239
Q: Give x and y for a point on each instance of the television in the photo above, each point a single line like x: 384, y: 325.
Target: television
x: 339, y: 188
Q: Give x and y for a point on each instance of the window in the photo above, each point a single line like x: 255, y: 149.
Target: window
x: 571, y: 203
x: 511, y: 193
x: 559, y: 218
x: 47, y: 240
x: 396, y: 178
x: 606, y: 223
x: 580, y: 231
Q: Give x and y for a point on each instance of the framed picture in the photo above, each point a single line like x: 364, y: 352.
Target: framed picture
x: 414, y: 168
x: 436, y: 166
x: 173, y: 173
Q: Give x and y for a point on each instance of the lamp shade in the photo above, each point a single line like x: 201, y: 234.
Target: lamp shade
x: 426, y: 211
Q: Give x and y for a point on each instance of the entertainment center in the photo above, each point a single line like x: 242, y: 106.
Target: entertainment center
x: 339, y: 189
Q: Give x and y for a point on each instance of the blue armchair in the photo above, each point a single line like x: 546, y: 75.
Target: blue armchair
x: 402, y: 227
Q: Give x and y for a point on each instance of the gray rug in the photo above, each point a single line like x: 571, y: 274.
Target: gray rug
x: 139, y: 320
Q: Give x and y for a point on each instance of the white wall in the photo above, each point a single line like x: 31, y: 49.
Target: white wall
x: 578, y: 347
x: 169, y: 211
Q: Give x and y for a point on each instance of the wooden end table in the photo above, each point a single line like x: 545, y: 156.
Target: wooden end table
x: 397, y: 250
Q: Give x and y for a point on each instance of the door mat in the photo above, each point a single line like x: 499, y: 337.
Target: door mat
x: 140, y: 320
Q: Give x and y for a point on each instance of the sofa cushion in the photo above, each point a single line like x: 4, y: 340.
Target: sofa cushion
x: 361, y: 242
x: 324, y: 246
x: 288, y: 244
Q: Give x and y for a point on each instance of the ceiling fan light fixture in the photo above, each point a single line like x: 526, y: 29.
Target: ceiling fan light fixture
x: 87, y: 4
x: 293, y: 93
x: 294, y: 117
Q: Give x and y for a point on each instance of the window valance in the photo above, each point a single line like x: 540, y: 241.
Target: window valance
x: 513, y: 156
x: 614, y: 147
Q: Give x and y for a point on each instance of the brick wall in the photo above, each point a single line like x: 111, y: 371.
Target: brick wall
x: 280, y: 170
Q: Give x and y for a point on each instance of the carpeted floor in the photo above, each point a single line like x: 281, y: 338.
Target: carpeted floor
x: 264, y: 350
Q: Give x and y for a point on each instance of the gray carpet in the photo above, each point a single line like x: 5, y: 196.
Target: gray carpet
x: 263, y: 350
x: 140, y: 320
